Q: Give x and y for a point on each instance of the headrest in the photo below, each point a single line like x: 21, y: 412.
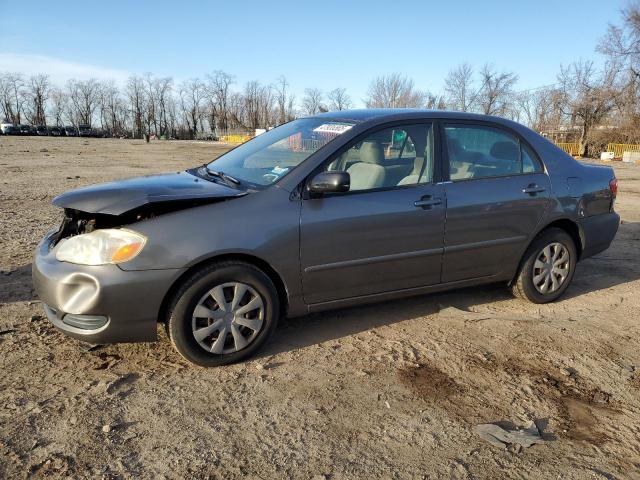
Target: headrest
x: 371, y: 152
x: 505, y: 151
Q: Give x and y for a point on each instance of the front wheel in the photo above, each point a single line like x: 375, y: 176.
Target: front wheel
x: 223, y: 313
x: 547, y: 267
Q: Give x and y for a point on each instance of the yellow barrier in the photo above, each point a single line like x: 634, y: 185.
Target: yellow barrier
x: 236, y: 138
x: 572, y: 149
x: 619, y: 148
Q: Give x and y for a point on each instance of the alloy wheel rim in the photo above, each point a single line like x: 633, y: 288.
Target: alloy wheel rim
x: 228, y: 318
x: 551, y: 268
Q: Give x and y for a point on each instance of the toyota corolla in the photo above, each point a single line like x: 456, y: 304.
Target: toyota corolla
x: 324, y: 212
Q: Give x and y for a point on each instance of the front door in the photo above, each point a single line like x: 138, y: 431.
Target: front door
x: 496, y: 198
x: 386, y: 233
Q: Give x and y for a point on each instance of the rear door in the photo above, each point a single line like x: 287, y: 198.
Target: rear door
x: 496, y: 197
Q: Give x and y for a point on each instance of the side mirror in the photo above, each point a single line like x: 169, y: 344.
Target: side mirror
x: 330, y: 182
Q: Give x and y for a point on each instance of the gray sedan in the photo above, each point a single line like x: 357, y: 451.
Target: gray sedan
x: 324, y: 212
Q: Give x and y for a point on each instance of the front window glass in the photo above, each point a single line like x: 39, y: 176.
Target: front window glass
x: 388, y: 158
x: 270, y: 156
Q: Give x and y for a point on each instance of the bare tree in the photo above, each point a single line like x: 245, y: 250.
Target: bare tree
x: 587, y: 96
x: 83, y: 97
x: 58, y: 106
x: 267, y: 110
x: 252, y: 92
x: 435, y: 102
x: 258, y: 109
x: 291, y: 107
x: 218, y: 91
x: 236, y: 110
x: 103, y: 115
x: 135, y: 94
x: 113, y: 111
x: 312, y: 101
x: 459, y: 88
x: 150, y: 115
x: 339, y: 99
x: 37, y: 92
x: 164, y: 89
x: 172, y: 117
x: 541, y: 107
x: 12, y: 96
x: 192, y: 95
x: 496, y: 95
x: 622, y: 43
x: 284, y: 100
x: 394, y: 91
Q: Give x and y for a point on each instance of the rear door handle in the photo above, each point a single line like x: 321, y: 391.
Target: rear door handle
x: 427, y: 202
x: 532, y: 189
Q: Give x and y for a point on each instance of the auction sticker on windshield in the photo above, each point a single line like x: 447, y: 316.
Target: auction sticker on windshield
x: 335, y: 128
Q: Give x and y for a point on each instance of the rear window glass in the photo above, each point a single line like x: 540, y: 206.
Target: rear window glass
x: 477, y: 151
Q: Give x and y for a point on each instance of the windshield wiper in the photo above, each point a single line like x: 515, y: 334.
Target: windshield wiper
x: 227, y: 178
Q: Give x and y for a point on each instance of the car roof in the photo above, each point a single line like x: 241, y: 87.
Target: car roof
x: 368, y: 114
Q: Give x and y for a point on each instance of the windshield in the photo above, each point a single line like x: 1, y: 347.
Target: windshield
x: 272, y: 155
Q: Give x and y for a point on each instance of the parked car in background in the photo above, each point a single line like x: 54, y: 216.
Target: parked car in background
x: 70, y: 131
x: 27, y: 130
x: 10, y: 129
x: 85, y: 131
x: 330, y: 211
x: 56, y: 131
x: 41, y: 130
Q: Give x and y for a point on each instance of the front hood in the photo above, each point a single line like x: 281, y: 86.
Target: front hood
x: 116, y: 198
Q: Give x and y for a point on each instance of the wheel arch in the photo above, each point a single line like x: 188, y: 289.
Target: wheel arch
x: 258, y: 262
x: 571, y: 227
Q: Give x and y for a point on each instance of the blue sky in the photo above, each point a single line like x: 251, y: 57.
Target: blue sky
x: 324, y: 43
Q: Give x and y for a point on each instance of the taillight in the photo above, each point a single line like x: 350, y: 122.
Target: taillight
x: 613, y: 186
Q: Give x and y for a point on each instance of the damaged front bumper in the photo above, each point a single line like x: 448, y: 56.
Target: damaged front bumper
x: 100, y: 304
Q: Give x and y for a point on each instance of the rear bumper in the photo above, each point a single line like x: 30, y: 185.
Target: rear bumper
x: 598, y: 231
x: 100, y: 304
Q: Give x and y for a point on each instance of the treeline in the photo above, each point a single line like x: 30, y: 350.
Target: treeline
x: 588, y: 104
x: 147, y: 104
x: 215, y: 104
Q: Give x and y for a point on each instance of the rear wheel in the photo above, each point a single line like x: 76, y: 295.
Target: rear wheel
x: 547, y: 267
x: 223, y: 313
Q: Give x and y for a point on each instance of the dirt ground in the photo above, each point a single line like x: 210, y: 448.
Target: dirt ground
x: 385, y: 391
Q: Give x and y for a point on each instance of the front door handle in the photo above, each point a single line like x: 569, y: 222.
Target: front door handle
x: 427, y: 202
x: 532, y: 189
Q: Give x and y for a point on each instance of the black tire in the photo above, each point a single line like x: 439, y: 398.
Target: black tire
x: 523, y: 285
x: 187, y: 297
